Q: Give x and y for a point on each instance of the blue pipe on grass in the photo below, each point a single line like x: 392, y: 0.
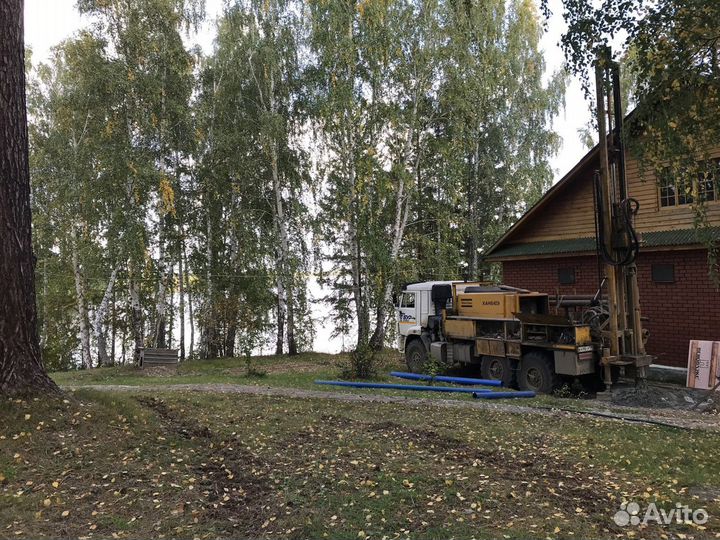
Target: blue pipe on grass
x: 503, y: 395
x: 419, y: 388
x: 443, y: 378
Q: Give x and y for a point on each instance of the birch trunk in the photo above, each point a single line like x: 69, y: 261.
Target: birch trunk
x: 161, y: 300
x: 44, y: 327
x: 181, y: 300
x: 81, y: 304
x: 210, y: 330
x: 281, y: 311
x: 354, y: 247
x: 285, y: 271
x: 113, y: 326
x: 285, y: 278
x: 136, y: 321
x: 99, y: 322
x: 191, y: 312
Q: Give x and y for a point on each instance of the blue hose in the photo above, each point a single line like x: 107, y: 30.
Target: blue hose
x: 442, y: 378
x: 419, y: 388
x: 503, y: 395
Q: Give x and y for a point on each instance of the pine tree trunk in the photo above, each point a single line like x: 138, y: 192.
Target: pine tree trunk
x: 81, y: 304
x: 21, y: 368
x: 100, y: 315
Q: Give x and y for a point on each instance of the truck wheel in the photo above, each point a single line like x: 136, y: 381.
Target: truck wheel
x: 499, y: 369
x: 415, y: 356
x: 537, y: 374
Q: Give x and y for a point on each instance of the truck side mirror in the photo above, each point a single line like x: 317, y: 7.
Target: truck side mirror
x: 395, y: 300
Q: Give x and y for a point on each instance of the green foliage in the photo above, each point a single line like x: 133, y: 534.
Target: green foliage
x: 369, y: 142
x: 672, y: 51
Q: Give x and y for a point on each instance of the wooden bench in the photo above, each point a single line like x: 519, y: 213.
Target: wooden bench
x: 158, y: 357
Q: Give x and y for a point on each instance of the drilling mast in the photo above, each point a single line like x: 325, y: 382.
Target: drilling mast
x: 617, y: 241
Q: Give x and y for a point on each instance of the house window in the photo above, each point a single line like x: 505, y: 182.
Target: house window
x: 566, y: 276
x: 663, y: 273
x: 676, y: 192
x: 668, y: 194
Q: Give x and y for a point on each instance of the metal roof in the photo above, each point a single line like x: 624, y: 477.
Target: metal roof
x: 656, y: 239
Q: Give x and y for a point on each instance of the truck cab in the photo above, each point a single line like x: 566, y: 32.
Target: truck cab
x: 414, y: 306
x: 507, y: 332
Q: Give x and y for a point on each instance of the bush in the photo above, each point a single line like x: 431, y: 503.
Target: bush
x: 363, y: 363
x: 250, y: 370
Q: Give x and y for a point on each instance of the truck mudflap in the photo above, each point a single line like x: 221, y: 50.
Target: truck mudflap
x: 438, y: 351
x: 575, y: 362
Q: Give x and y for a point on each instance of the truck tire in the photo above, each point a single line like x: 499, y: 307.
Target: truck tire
x: 415, y: 356
x: 537, y: 373
x: 499, y: 369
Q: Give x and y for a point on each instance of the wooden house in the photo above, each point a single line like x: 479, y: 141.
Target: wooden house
x: 551, y: 248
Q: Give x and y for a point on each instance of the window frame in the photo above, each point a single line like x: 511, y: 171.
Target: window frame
x: 683, y: 197
x: 655, y: 279
x: 403, y: 300
x: 570, y: 272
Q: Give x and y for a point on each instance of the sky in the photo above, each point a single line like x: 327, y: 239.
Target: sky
x: 48, y: 22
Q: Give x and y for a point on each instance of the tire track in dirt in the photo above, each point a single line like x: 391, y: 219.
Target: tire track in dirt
x: 611, y: 413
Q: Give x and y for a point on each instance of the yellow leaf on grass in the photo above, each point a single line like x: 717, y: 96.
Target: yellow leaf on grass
x: 47, y: 502
x: 66, y: 513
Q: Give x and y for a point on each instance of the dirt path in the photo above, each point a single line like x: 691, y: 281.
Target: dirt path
x: 609, y: 412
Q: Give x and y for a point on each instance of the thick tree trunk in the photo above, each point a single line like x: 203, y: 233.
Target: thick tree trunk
x: 81, y: 304
x: 100, y: 315
x: 21, y: 369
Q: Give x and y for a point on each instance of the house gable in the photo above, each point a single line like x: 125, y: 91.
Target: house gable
x: 563, y: 220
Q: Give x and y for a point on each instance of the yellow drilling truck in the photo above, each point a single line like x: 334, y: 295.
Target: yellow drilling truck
x: 509, y: 332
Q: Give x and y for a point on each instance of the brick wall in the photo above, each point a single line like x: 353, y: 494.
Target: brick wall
x: 687, y: 309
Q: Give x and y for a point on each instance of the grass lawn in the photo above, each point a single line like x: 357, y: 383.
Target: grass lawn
x: 281, y: 371
x: 297, y: 372
x: 189, y: 464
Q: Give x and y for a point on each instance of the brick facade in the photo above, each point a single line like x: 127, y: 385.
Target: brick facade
x: 688, y: 308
